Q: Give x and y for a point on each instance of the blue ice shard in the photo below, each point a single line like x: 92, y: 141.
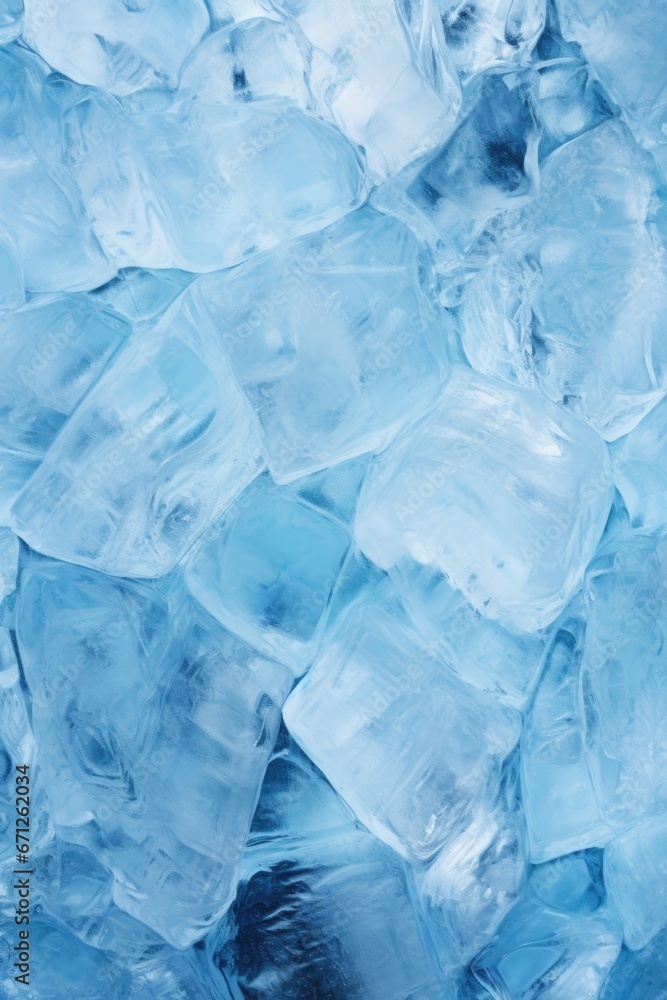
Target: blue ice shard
x: 255, y: 60
x: 119, y: 45
x: 558, y: 942
x: 40, y: 204
x: 489, y: 33
x: 200, y: 186
x: 11, y: 20
x: 383, y: 72
x: 339, y: 348
x: 623, y: 44
x: 55, y: 349
x: 501, y: 490
x: 634, y: 873
x: 576, y: 301
x: 154, y: 727
x: 158, y: 449
x: 477, y: 877
x: 506, y: 663
x: 595, y: 742
x: 408, y: 746
x: 640, y: 470
x: 267, y: 571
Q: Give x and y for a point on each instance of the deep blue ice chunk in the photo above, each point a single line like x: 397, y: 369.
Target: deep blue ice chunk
x: 408, y: 746
x: 498, y: 488
x: 624, y: 43
x: 486, y: 33
x: 475, y: 880
x: 333, y: 340
x: 267, y: 571
x: 258, y: 59
x: 11, y: 20
x: 40, y: 204
x: 505, y: 663
x: 382, y: 70
x: 119, y: 45
x: 595, y: 746
x: 638, y: 975
x: 487, y: 166
x: 576, y: 302
x: 158, y: 449
x: 640, y: 470
x: 200, y: 186
x: 55, y: 348
x: 636, y: 880
x: 154, y: 727
x: 558, y: 942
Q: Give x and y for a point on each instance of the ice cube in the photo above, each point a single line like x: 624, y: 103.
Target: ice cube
x: 333, y: 340
x: 639, y: 974
x: 640, y: 470
x: 267, y: 571
x: 158, y: 449
x: 636, y: 880
x: 201, y: 186
x: 119, y: 45
x: 501, y: 490
x: 154, y: 727
x: 11, y: 20
x: 9, y: 562
x: 576, y: 301
x: 410, y: 748
x: 482, y: 34
x: 12, y: 292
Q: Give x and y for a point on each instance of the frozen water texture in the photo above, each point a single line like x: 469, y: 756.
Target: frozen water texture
x: 576, y: 303
x: 501, y: 490
x: 9, y: 562
x: 382, y: 70
x: 203, y: 186
x: 333, y: 340
x: 483, y: 653
x: 11, y: 20
x: 639, y: 974
x: 268, y: 569
x: 40, y: 205
x: 408, y: 746
x: 476, y: 878
x: 595, y: 745
x: 255, y: 60
x: 486, y: 33
x: 636, y: 880
x: 119, y: 45
x: 12, y: 292
x: 154, y: 727
x: 640, y: 470
x: 163, y: 443
x: 623, y: 43
x: 55, y: 348
x: 558, y: 942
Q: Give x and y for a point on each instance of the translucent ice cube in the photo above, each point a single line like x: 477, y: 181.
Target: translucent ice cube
x: 409, y: 747
x: 154, y: 727
x: 9, y: 562
x: 636, y: 880
x: 639, y: 974
x: 152, y: 456
x: 12, y: 292
x: 200, y: 186
x: 11, y: 20
x: 486, y: 33
x: 268, y: 569
x: 119, y: 45
x: 576, y: 302
x: 640, y: 470
x: 333, y: 340
x: 503, y: 491
x: 55, y: 349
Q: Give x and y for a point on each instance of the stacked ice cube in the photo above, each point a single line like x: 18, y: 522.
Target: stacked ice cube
x: 333, y: 499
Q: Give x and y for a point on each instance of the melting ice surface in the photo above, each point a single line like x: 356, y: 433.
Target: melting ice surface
x: 333, y: 499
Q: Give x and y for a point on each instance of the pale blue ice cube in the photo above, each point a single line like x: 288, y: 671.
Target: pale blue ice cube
x: 498, y: 488
x: 11, y: 20
x: 12, y: 292
x: 333, y: 339
x: 558, y: 942
x: 154, y: 728
x: 199, y: 186
x: 638, y: 975
x: 55, y: 348
x: 9, y: 562
x: 119, y: 45
x: 158, y: 449
x: 268, y: 569
x: 640, y: 470
x: 636, y: 880
x: 575, y: 302
x: 410, y: 748
x: 487, y: 33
